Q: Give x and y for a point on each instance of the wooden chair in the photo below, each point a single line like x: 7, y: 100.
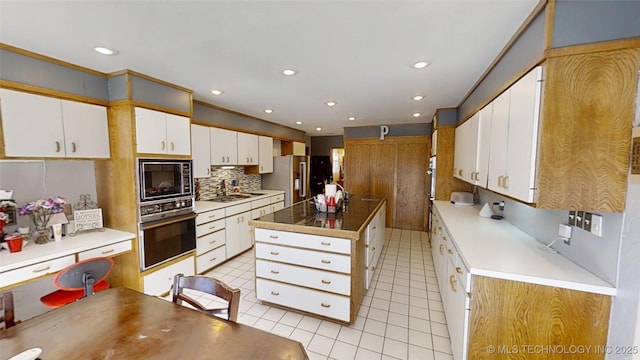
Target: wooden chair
x: 78, y: 281
x: 210, y: 286
x: 6, y: 309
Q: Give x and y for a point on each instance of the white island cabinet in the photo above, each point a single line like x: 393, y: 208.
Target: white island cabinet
x: 319, y: 263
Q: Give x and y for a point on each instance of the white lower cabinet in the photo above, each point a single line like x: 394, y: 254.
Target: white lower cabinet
x: 237, y: 229
x: 210, y: 240
x: 159, y: 282
x: 374, y: 242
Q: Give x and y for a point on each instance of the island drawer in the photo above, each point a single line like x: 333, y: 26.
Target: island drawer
x: 209, y: 227
x: 107, y: 250
x: 210, y: 242
x: 316, y: 242
x: 208, y: 216
x: 314, y: 259
x: 313, y: 301
x: 36, y: 270
x: 317, y: 279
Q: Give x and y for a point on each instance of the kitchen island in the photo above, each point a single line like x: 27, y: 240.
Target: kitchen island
x: 319, y: 263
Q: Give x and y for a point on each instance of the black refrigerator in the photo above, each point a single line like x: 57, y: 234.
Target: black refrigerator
x: 320, y: 173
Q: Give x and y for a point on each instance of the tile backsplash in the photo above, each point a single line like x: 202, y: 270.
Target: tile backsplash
x: 206, y: 187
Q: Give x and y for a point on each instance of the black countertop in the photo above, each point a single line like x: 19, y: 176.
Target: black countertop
x: 304, y: 218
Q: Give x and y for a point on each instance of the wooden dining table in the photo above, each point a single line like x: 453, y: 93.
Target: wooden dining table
x: 121, y: 323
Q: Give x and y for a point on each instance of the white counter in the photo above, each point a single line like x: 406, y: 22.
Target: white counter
x: 204, y: 205
x: 83, y: 241
x: 495, y: 248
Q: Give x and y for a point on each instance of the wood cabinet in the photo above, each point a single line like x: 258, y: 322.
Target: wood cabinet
x: 41, y: 126
x: 395, y: 168
x: 247, y: 149
x: 224, y: 146
x: 265, y: 154
x: 162, y: 133
x: 200, y: 151
x: 295, y: 148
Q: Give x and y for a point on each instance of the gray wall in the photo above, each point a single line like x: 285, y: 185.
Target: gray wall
x: 151, y: 92
x: 447, y: 117
x: 322, y: 145
x: 27, y: 70
x: 528, y: 47
x: 583, y: 22
x: 423, y: 129
x: 216, y: 117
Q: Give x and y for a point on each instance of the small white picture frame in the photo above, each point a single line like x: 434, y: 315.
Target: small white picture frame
x: 87, y: 219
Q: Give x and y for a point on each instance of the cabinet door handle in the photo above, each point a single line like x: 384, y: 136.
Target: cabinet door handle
x: 275, y: 272
x: 444, y: 238
x: 450, y: 251
x: 326, y: 261
x: 172, y: 146
x: 500, y: 180
x: 108, y: 251
x: 241, y: 218
x: 163, y: 145
x: 441, y: 249
x: 373, y: 248
x: 227, y: 159
x: 223, y: 159
x: 237, y: 220
x: 57, y: 146
x: 325, y: 305
x: 325, y: 243
x: 208, y: 171
x: 452, y: 282
x: 275, y: 253
x: 458, y: 270
x: 247, y: 160
x: 41, y: 270
x: 275, y: 293
x: 73, y: 147
x: 326, y: 282
x: 506, y: 182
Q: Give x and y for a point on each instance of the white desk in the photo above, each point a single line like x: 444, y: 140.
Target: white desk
x: 35, y: 261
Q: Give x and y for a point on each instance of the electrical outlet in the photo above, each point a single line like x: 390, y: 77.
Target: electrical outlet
x: 596, y: 224
x: 586, y: 222
x: 572, y: 218
x: 579, y: 218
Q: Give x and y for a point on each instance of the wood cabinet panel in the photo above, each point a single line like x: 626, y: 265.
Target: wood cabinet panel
x: 445, y: 182
x: 411, y: 198
x: 586, y: 130
x: 509, y: 313
x: 383, y: 175
x: 356, y: 168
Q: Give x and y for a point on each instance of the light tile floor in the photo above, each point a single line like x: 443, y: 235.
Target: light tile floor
x: 401, y: 316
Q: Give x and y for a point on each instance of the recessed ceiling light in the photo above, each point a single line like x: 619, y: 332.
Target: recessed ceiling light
x: 105, y: 51
x: 217, y: 92
x: 418, y: 97
x: 351, y: 118
x: 289, y: 72
x: 318, y: 129
x: 417, y: 114
x: 268, y: 111
x: 420, y: 65
x: 298, y: 122
x: 330, y: 103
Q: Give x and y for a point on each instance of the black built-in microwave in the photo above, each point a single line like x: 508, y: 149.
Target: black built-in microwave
x: 160, y: 179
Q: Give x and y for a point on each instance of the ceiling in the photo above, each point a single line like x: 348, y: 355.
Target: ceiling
x: 359, y: 54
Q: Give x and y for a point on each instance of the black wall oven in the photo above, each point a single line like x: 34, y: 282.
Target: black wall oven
x: 166, y: 212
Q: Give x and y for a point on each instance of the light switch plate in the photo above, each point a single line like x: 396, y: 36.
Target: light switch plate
x: 596, y: 224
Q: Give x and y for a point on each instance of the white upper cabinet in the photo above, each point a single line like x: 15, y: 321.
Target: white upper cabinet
x: 161, y: 133
x: 40, y: 126
x: 514, y: 138
x: 247, y: 149
x: 224, y: 146
x: 483, y: 146
x: 200, y: 151
x: 265, y: 154
x: 471, y: 153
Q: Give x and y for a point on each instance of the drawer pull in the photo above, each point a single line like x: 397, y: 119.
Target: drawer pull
x: 450, y: 251
x: 326, y: 243
x: 452, y: 282
x: 275, y: 272
x: 326, y: 282
x: 440, y: 228
x: 441, y: 249
x: 108, y: 251
x: 326, y: 261
x: 373, y: 248
x: 275, y: 293
x: 458, y: 270
x: 212, y: 242
x: 275, y: 253
x: 213, y: 259
x: 444, y: 238
x: 325, y: 305
x: 273, y: 236
x: 41, y: 270
x: 212, y: 216
x: 212, y: 227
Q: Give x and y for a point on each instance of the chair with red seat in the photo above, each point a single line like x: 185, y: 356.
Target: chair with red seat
x: 78, y: 281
